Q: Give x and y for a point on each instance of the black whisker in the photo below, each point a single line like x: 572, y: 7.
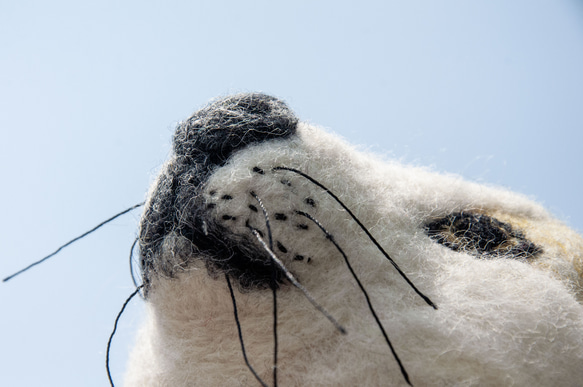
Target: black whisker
x: 373, y: 240
x: 295, y: 283
x: 240, y: 333
x: 132, y: 265
x: 266, y: 216
x: 275, y: 339
x: 288, y: 274
x: 113, y: 332
x: 273, y: 287
x: 364, y: 292
x: 72, y: 241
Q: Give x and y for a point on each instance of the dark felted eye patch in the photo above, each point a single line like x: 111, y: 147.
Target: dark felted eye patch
x: 480, y: 235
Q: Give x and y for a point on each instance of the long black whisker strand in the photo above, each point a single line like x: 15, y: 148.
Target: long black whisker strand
x: 373, y: 240
x: 273, y: 287
x: 240, y: 333
x: 275, y: 339
x: 113, y: 332
x: 72, y: 241
x: 295, y: 283
x: 266, y: 215
x: 364, y: 292
x: 132, y: 265
x: 132, y: 262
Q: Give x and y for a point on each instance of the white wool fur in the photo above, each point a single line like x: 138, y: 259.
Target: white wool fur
x: 500, y: 322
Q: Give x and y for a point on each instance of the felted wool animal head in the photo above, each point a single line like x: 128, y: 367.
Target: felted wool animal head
x: 371, y: 272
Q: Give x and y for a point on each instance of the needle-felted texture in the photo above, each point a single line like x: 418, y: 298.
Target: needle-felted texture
x: 174, y: 215
x: 515, y: 318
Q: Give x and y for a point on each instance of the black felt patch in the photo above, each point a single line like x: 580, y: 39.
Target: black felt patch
x: 213, y: 133
x: 258, y: 170
x: 480, y: 235
x: 201, y: 144
x: 280, y: 216
x: 281, y: 247
x: 310, y: 202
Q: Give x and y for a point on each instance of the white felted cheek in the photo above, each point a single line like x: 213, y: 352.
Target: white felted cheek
x: 500, y: 321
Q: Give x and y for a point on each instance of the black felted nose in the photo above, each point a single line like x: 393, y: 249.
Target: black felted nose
x: 213, y: 133
x: 175, y: 217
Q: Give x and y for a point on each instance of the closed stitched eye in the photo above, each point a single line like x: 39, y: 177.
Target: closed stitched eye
x: 480, y: 235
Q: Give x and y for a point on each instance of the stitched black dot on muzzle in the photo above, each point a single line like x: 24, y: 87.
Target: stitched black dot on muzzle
x: 174, y: 220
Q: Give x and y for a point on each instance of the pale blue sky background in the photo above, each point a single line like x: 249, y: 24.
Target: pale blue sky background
x: 90, y: 93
